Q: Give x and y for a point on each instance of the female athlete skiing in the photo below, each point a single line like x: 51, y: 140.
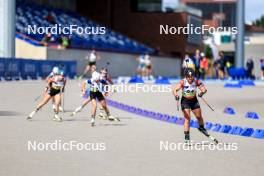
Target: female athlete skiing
x: 56, y: 84
x: 189, y: 102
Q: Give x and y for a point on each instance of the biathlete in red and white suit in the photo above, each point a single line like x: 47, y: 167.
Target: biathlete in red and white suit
x: 56, y: 85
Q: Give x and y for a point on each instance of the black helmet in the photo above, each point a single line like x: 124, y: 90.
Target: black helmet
x: 189, y: 72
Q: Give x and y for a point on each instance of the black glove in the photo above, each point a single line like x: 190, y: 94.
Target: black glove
x: 201, y: 94
x: 177, y: 97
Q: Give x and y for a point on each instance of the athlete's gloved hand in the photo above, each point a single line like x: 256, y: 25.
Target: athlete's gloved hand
x: 177, y: 97
x: 201, y: 94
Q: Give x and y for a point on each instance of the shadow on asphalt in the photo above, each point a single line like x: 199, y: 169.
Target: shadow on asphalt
x: 9, y: 113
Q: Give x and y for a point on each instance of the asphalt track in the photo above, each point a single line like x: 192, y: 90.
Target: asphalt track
x: 132, y: 146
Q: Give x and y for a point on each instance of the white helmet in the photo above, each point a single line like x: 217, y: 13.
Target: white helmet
x: 95, y: 76
x: 55, y: 70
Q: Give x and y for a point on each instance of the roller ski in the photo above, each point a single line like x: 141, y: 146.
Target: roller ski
x: 30, y: 116
x: 204, y: 131
x: 56, y: 118
x: 79, y: 109
x: 112, y: 118
x: 92, y: 121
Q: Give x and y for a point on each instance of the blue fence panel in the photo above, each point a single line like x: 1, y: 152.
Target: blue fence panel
x: 45, y: 67
x: 12, y: 69
x: 72, y: 69
x: 2, y: 67
x: 28, y: 68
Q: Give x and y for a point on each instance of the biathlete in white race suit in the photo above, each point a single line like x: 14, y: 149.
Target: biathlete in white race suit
x: 56, y: 85
x: 93, y: 57
x: 141, y: 66
x: 189, y: 102
x: 93, y: 89
x: 148, y: 67
x: 56, y: 70
x: 188, y: 63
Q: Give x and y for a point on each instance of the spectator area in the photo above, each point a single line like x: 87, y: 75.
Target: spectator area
x: 32, y: 14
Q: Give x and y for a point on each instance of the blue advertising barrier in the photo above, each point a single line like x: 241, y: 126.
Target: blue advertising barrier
x: 28, y: 68
x: 72, y: 69
x: 2, y: 67
x: 45, y: 67
x: 14, y: 69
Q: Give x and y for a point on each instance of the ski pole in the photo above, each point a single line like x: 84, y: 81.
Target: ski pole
x: 38, y: 97
x: 207, y: 103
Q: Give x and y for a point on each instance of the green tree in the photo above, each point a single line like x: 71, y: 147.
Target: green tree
x: 259, y: 22
x: 208, y: 52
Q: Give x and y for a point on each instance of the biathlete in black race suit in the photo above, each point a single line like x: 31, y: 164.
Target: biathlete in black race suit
x: 189, y: 102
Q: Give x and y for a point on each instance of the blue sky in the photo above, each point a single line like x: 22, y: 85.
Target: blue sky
x: 254, y: 9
